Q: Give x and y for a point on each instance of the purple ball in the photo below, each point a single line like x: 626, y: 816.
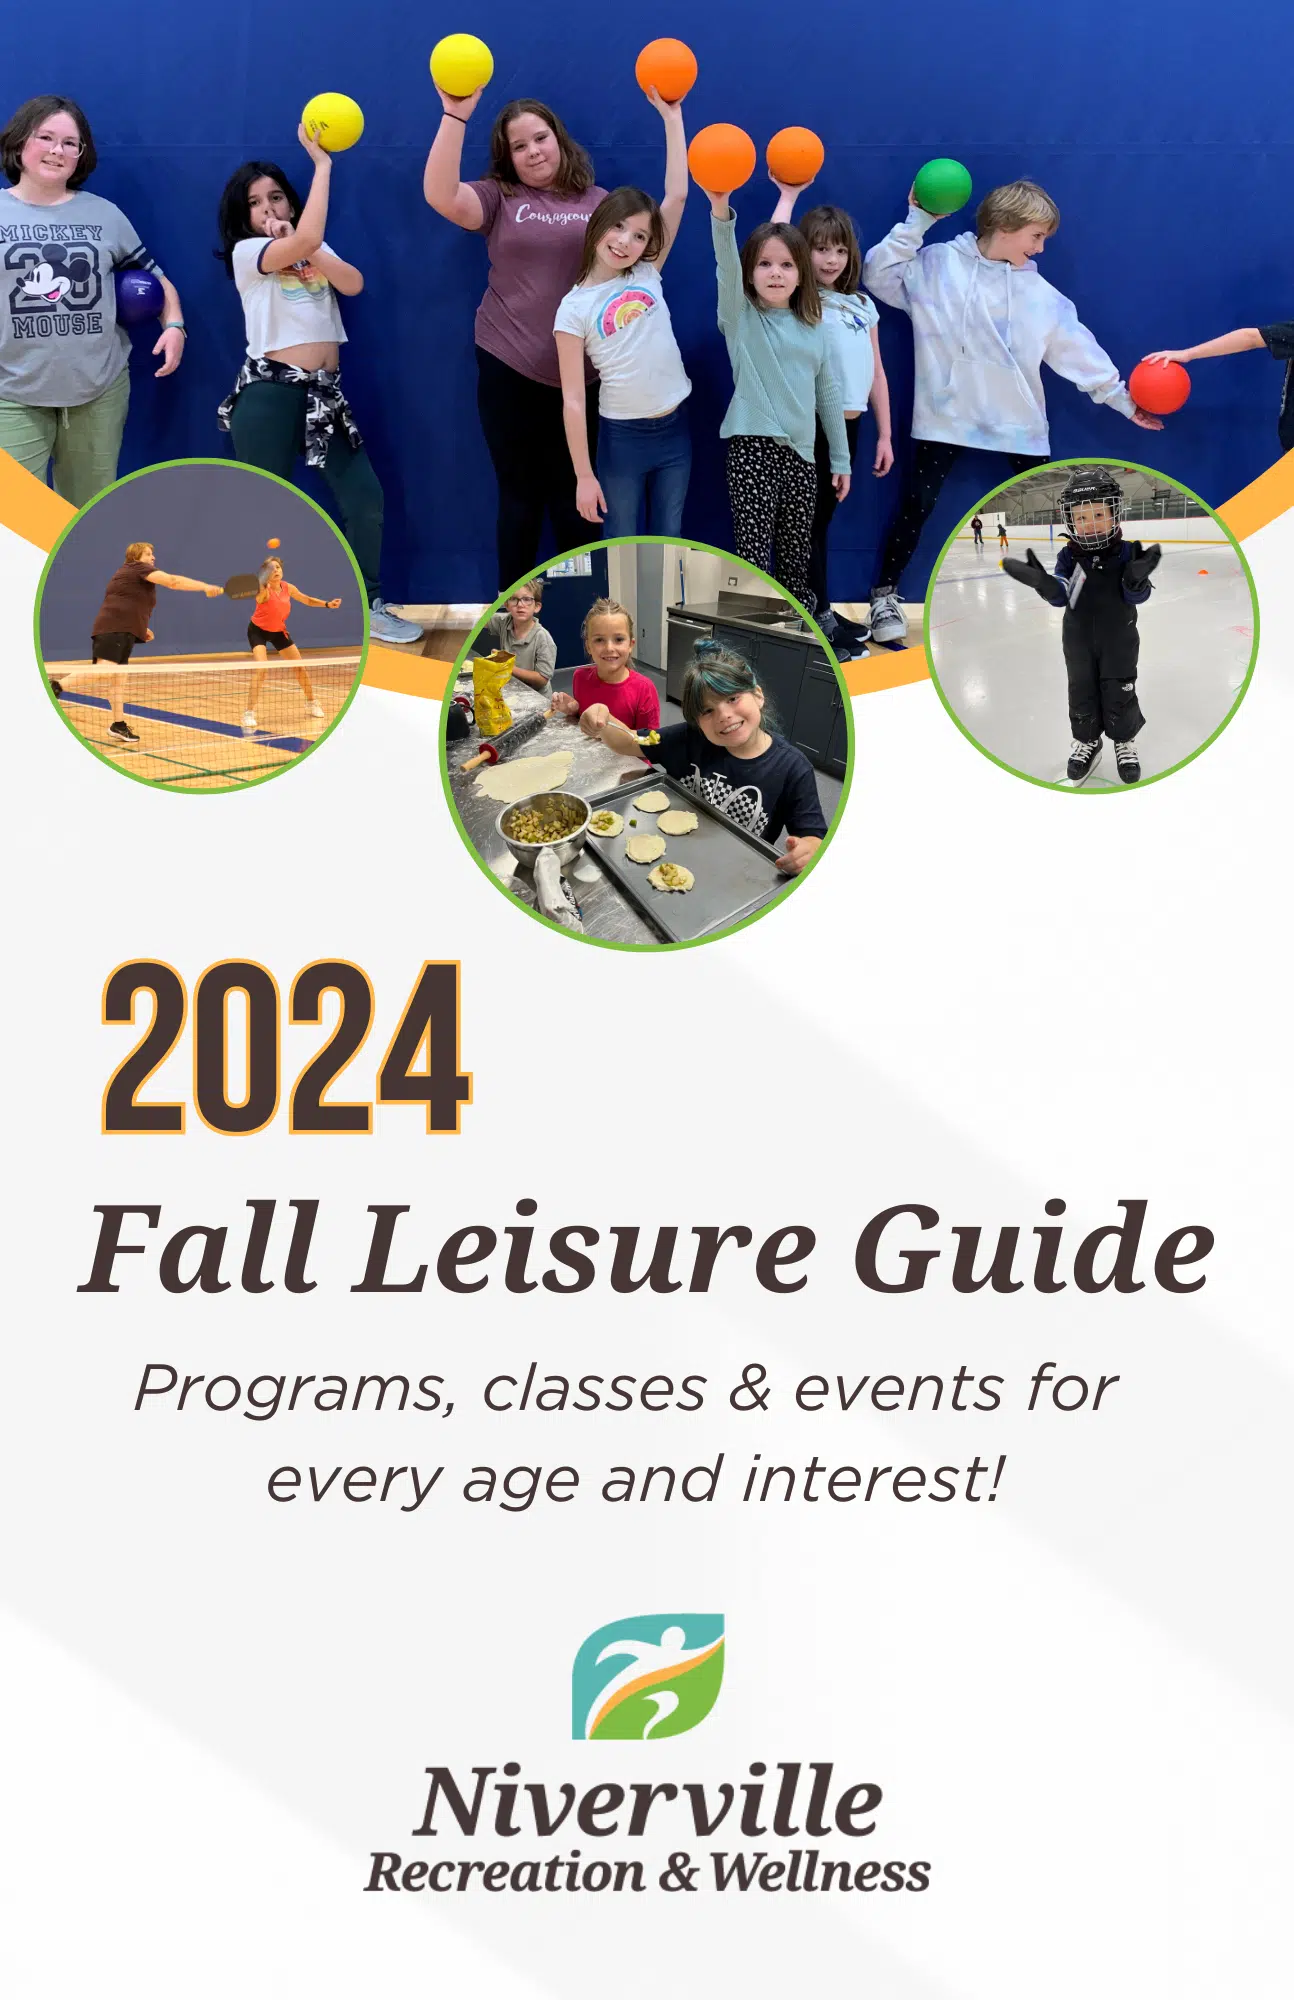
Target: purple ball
x: 139, y: 297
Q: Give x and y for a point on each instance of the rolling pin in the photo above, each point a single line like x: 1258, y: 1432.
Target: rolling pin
x: 510, y: 741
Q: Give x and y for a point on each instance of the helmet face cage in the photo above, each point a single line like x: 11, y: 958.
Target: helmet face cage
x: 1086, y: 491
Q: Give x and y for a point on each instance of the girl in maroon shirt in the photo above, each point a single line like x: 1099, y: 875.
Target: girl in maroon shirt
x: 532, y: 206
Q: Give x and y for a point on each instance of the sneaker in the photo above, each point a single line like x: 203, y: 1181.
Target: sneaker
x: 829, y: 624
x: 249, y: 722
x: 849, y: 625
x: 1129, y: 763
x: 314, y: 708
x: 1083, y: 760
x: 889, y: 626
x: 56, y: 689
x: 390, y: 630
x: 122, y: 734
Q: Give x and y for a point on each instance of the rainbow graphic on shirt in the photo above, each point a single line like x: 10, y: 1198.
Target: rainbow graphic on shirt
x: 624, y: 309
x: 303, y: 278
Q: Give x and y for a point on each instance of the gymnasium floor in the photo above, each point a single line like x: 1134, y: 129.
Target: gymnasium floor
x: 995, y: 650
x: 188, y: 715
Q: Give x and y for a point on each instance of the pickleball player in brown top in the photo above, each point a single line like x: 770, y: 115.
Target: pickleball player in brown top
x: 122, y: 624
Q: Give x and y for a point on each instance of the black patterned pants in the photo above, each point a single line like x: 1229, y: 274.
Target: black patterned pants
x: 773, y: 492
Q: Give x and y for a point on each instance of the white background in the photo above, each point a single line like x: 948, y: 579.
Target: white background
x: 1076, y: 1698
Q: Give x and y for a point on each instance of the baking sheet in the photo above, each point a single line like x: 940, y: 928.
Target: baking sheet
x: 736, y: 874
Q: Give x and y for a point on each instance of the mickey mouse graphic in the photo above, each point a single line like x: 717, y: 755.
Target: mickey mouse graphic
x: 49, y: 282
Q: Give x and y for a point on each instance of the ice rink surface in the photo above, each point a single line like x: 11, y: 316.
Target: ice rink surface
x: 995, y: 650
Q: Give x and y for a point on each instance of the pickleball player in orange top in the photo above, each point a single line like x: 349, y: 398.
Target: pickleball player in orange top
x: 121, y: 624
x: 269, y: 627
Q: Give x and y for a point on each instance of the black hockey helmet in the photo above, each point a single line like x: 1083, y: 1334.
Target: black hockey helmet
x: 1093, y: 485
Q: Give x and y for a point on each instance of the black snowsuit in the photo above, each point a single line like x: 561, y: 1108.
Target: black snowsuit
x: 1100, y: 641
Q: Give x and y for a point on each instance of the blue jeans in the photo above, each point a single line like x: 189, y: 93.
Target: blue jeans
x: 643, y: 468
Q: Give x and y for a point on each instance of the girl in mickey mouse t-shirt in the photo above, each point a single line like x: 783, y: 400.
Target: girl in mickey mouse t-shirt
x: 723, y: 753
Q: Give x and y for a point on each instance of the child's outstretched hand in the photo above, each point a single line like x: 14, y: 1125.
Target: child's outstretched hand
x: 884, y: 459
x: 460, y: 107
x: 800, y: 850
x: 1143, y: 561
x: 1169, y: 354
x: 564, y: 704
x: 668, y: 109
x: 595, y: 718
x: 590, y: 500
x: 1032, y: 573
x: 319, y: 154
x: 1146, y: 421
x: 332, y: 604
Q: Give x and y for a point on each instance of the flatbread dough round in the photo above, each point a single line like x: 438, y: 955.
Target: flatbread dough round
x: 652, y: 802
x: 606, y: 824
x: 677, y: 822
x: 645, y: 847
x: 672, y: 875
x: 520, y: 776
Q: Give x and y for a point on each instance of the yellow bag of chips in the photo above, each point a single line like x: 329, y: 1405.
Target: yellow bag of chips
x: 493, y: 715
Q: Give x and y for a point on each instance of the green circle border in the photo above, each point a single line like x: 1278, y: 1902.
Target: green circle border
x: 155, y: 785
x: 662, y: 944
x: 1058, y: 785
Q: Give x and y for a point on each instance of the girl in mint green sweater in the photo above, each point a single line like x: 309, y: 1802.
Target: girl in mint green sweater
x: 770, y: 314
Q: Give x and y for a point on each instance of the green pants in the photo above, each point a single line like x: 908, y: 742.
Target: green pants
x: 268, y: 427
x: 84, y: 442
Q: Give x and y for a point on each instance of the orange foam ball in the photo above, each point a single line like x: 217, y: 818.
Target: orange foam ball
x: 721, y: 158
x: 273, y: 542
x: 1203, y: 572
x: 795, y: 155
x: 667, y: 66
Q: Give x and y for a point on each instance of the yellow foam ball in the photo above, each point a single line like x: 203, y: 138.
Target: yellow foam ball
x: 334, y: 121
x: 461, y: 64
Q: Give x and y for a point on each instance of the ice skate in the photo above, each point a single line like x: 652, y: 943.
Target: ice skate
x: 1129, y: 763
x: 1083, y: 760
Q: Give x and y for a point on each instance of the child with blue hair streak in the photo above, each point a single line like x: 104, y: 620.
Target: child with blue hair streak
x: 727, y: 753
x: 984, y: 319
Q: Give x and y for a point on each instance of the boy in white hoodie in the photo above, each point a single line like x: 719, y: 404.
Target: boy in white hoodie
x: 984, y: 320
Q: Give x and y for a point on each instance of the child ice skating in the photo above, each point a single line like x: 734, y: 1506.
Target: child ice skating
x: 977, y: 529
x: 984, y: 320
x: 1099, y: 581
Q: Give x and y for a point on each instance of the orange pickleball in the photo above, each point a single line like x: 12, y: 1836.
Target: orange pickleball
x: 667, y: 66
x: 721, y: 158
x: 795, y: 155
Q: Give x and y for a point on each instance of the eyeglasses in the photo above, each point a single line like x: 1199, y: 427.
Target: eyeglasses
x: 53, y: 145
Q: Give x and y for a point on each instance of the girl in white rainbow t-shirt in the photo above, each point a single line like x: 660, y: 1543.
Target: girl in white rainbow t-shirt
x: 617, y: 316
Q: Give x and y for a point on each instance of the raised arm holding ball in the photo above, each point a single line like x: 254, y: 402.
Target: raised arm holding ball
x: 532, y: 205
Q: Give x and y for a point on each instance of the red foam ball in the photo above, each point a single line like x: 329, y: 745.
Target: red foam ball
x: 1159, y: 386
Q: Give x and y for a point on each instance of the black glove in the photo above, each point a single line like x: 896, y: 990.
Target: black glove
x: 1031, y: 571
x: 1143, y: 561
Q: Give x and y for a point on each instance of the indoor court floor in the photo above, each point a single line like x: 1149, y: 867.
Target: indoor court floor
x: 996, y: 652
x: 187, y: 713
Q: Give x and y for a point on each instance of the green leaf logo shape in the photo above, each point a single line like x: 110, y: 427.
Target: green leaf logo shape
x: 643, y: 1678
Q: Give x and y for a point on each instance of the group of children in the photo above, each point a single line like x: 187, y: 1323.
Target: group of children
x: 726, y: 750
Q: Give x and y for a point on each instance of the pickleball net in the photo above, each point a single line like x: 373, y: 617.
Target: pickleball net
x: 188, y: 715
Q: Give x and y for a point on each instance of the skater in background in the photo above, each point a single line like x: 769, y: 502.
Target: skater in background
x: 850, y: 320
x: 517, y: 630
x: 1099, y: 581
x: 977, y: 529
x: 1278, y: 339
x: 1002, y: 541
x: 984, y: 320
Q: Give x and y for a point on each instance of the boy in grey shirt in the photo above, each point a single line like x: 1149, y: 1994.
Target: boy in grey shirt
x: 517, y: 630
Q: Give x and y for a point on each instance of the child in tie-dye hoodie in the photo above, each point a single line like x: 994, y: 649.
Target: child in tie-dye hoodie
x: 984, y: 320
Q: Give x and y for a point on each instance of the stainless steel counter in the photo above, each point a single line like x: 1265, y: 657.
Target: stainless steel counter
x: 605, y: 911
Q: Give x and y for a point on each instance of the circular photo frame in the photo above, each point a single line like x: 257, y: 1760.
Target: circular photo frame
x: 1091, y: 625
x: 646, y: 744
x: 201, y: 626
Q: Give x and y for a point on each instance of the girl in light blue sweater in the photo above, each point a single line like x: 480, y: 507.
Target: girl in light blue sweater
x: 770, y: 314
